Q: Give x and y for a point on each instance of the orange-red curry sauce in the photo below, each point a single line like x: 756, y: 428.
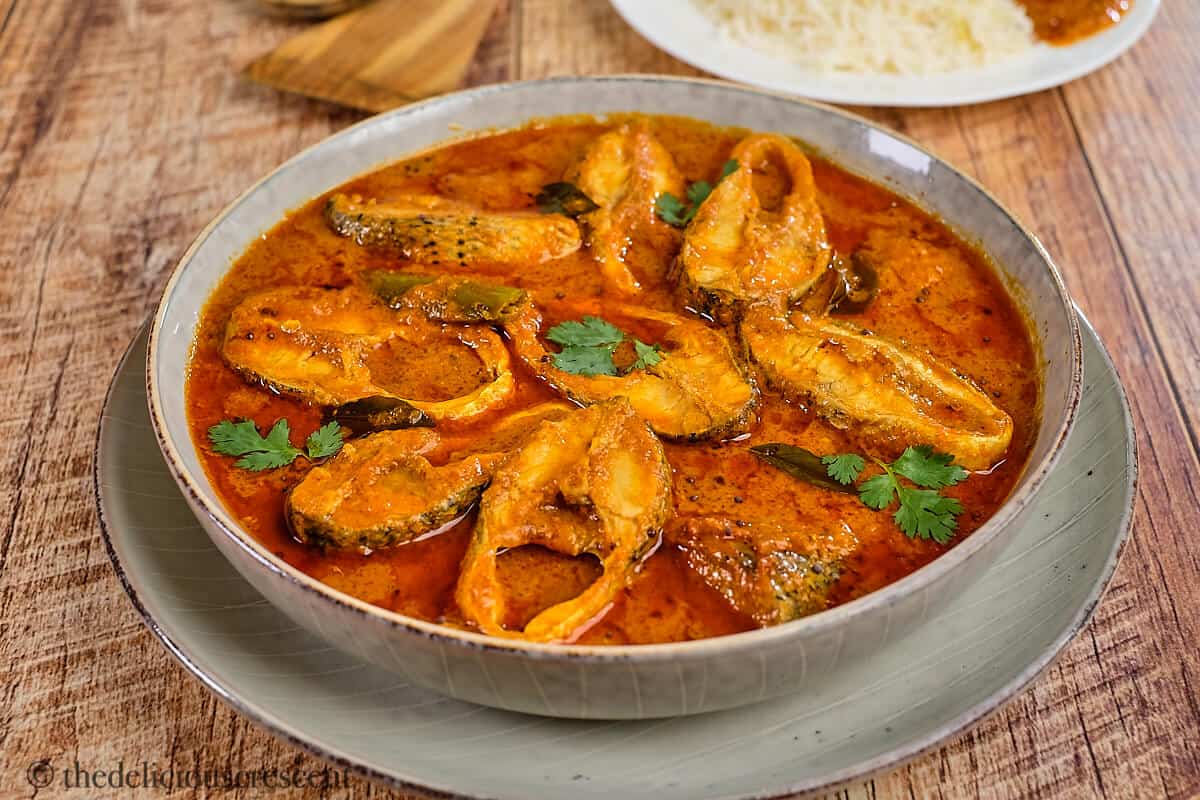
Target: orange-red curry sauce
x: 1062, y: 22
x: 935, y: 291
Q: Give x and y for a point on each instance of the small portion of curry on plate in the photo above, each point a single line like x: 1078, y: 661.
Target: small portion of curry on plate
x: 614, y: 382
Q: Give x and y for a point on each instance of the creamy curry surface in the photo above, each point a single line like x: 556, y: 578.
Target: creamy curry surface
x: 936, y: 296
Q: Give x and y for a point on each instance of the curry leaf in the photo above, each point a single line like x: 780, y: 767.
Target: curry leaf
x: 564, y: 198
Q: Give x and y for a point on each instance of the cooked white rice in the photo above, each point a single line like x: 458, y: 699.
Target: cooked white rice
x: 897, y: 37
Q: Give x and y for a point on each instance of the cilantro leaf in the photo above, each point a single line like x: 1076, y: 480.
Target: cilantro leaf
x: 698, y: 192
x: 647, y: 354
x: 925, y: 514
x: 257, y: 452
x: 235, y: 438
x: 588, y: 346
x: 588, y: 332
x: 844, y: 468
x: 580, y: 360
x: 672, y: 211
x: 324, y: 441
x: 877, y: 492
x: 278, y: 438
x: 926, y: 467
x: 266, y: 459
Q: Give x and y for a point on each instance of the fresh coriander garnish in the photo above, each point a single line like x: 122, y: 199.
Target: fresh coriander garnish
x: 324, y: 441
x: 923, y: 512
x: 564, y: 198
x: 844, y: 468
x: 674, y: 211
x: 274, y: 450
x: 926, y: 467
x: 588, y: 346
x: 647, y: 354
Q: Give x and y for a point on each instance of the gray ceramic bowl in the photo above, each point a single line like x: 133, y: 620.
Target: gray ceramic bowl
x: 629, y: 681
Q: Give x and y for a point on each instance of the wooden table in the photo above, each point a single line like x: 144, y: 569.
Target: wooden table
x: 124, y: 128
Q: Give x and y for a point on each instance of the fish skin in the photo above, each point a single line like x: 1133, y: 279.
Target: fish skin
x: 428, y: 229
x: 736, y: 251
x: 596, y: 481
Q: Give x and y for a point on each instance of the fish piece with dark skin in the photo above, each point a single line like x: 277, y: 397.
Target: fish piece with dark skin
x: 595, y: 482
x: 887, y: 393
x: 768, y: 573
x: 330, y: 347
x: 381, y: 490
x: 434, y: 230
x: 697, y: 390
x: 759, y: 236
x: 624, y: 172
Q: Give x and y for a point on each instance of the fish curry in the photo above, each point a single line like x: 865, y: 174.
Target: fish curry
x: 613, y: 382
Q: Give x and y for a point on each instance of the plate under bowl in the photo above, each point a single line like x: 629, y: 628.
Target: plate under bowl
x: 976, y: 653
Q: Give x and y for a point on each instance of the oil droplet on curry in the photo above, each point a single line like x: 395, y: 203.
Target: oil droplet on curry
x: 550, y: 352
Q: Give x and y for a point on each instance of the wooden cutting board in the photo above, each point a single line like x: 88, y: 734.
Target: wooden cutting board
x: 308, y: 9
x: 381, y: 56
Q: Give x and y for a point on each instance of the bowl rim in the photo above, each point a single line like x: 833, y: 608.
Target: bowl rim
x: 815, y: 624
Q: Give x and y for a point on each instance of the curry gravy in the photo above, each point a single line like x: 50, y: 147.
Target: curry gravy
x: 935, y: 291
x: 1063, y: 22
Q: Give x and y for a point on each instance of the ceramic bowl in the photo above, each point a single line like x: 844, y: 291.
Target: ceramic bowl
x: 625, y: 682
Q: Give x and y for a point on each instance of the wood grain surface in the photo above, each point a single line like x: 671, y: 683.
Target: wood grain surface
x: 124, y: 127
x: 380, y: 56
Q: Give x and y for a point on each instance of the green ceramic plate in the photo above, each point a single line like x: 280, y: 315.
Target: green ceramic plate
x: 956, y: 668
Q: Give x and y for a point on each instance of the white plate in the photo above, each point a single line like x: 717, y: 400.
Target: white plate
x: 979, y: 651
x: 679, y: 28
